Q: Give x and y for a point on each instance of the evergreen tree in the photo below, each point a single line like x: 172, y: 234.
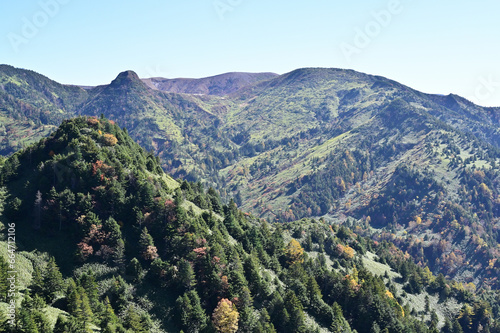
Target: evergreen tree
x: 88, y: 282
x: 4, y: 287
x: 265, y: 325
x: 146, y: 244
x: 26, y: 320
x: 295, y: 310
x: 186, y: 277
x: 79, y: 306
x: 41, y: 322
x: 108, y: 318
x: 111, y: 227
x: 133, y: 321
x: 134, y: 269
x: 52, y: 280
x: 192, y: 315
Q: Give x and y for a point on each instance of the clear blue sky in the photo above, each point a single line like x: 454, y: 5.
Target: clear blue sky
x: 434, y: 46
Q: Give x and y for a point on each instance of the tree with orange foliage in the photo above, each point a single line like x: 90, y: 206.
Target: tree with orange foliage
x: 225, y: 317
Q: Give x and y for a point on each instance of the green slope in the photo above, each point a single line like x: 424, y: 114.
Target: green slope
x: 140, y: 252
x: 322, y: 142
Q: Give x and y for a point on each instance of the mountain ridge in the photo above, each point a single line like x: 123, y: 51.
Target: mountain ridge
x: 326, y: 142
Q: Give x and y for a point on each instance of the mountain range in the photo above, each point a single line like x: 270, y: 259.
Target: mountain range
x: 390, y: 162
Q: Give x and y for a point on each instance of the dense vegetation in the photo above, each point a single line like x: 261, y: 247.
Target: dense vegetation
x: 109, y: 242
x: 420, y: 171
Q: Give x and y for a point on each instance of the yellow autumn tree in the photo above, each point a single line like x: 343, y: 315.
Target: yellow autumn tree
x: 225, y: 317
x: 294, y: 252
x: 348, y: 252
x: 485, y: 190
x: 109, y: 139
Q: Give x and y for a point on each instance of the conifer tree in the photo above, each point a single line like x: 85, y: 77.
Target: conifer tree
x: 111, y: 227
x: 41, y: 322
x: 61, y: 325
x: 79, y: 305
x: 295, y: 310
x: 3, y: 279
x: 88, y: 282
x: 146, y: 244
x: 192, y: 316
x: 26, y: 320
x: 3, y: 322
x: 108, y: 317
x: 265, y: 325
x: 186, y: 275
x: 134, y: 269
x: 52, y: 281
x: 133, y: 321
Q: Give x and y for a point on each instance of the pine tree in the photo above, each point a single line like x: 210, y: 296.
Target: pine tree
x: 192, y: 316
x: 88, y: 283
x: 108, y: 317
x: 37, y: 281
x: 133, y: 321
x: 146, y: 244
x: 85, y: 314
x: 25, y: 319
x: 252, y: 273
x: 265, y: 325
x: 134, y: 269
x: 119, y: 255
x: 3, y: 279
x: 3, y: 322
x: 111, y: 227
x: 295, y: 310
x: 79, y: 306
x: 186, y: 275
x: 73, y: 297
x: 41, y: 322
x: 52, y: 281
x: 61, y: 325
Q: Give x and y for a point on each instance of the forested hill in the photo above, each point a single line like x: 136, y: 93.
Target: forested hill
x: 108, y: 242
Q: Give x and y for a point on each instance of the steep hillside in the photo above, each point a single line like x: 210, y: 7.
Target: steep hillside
x: 218, y: 85
x: 108, y: 242
x: 31, y: 105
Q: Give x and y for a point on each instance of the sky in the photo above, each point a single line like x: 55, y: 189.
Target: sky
x: 434, y: 46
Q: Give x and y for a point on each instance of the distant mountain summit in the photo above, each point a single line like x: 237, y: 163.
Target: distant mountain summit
x: 218, y: 85
x: 126, y: 76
